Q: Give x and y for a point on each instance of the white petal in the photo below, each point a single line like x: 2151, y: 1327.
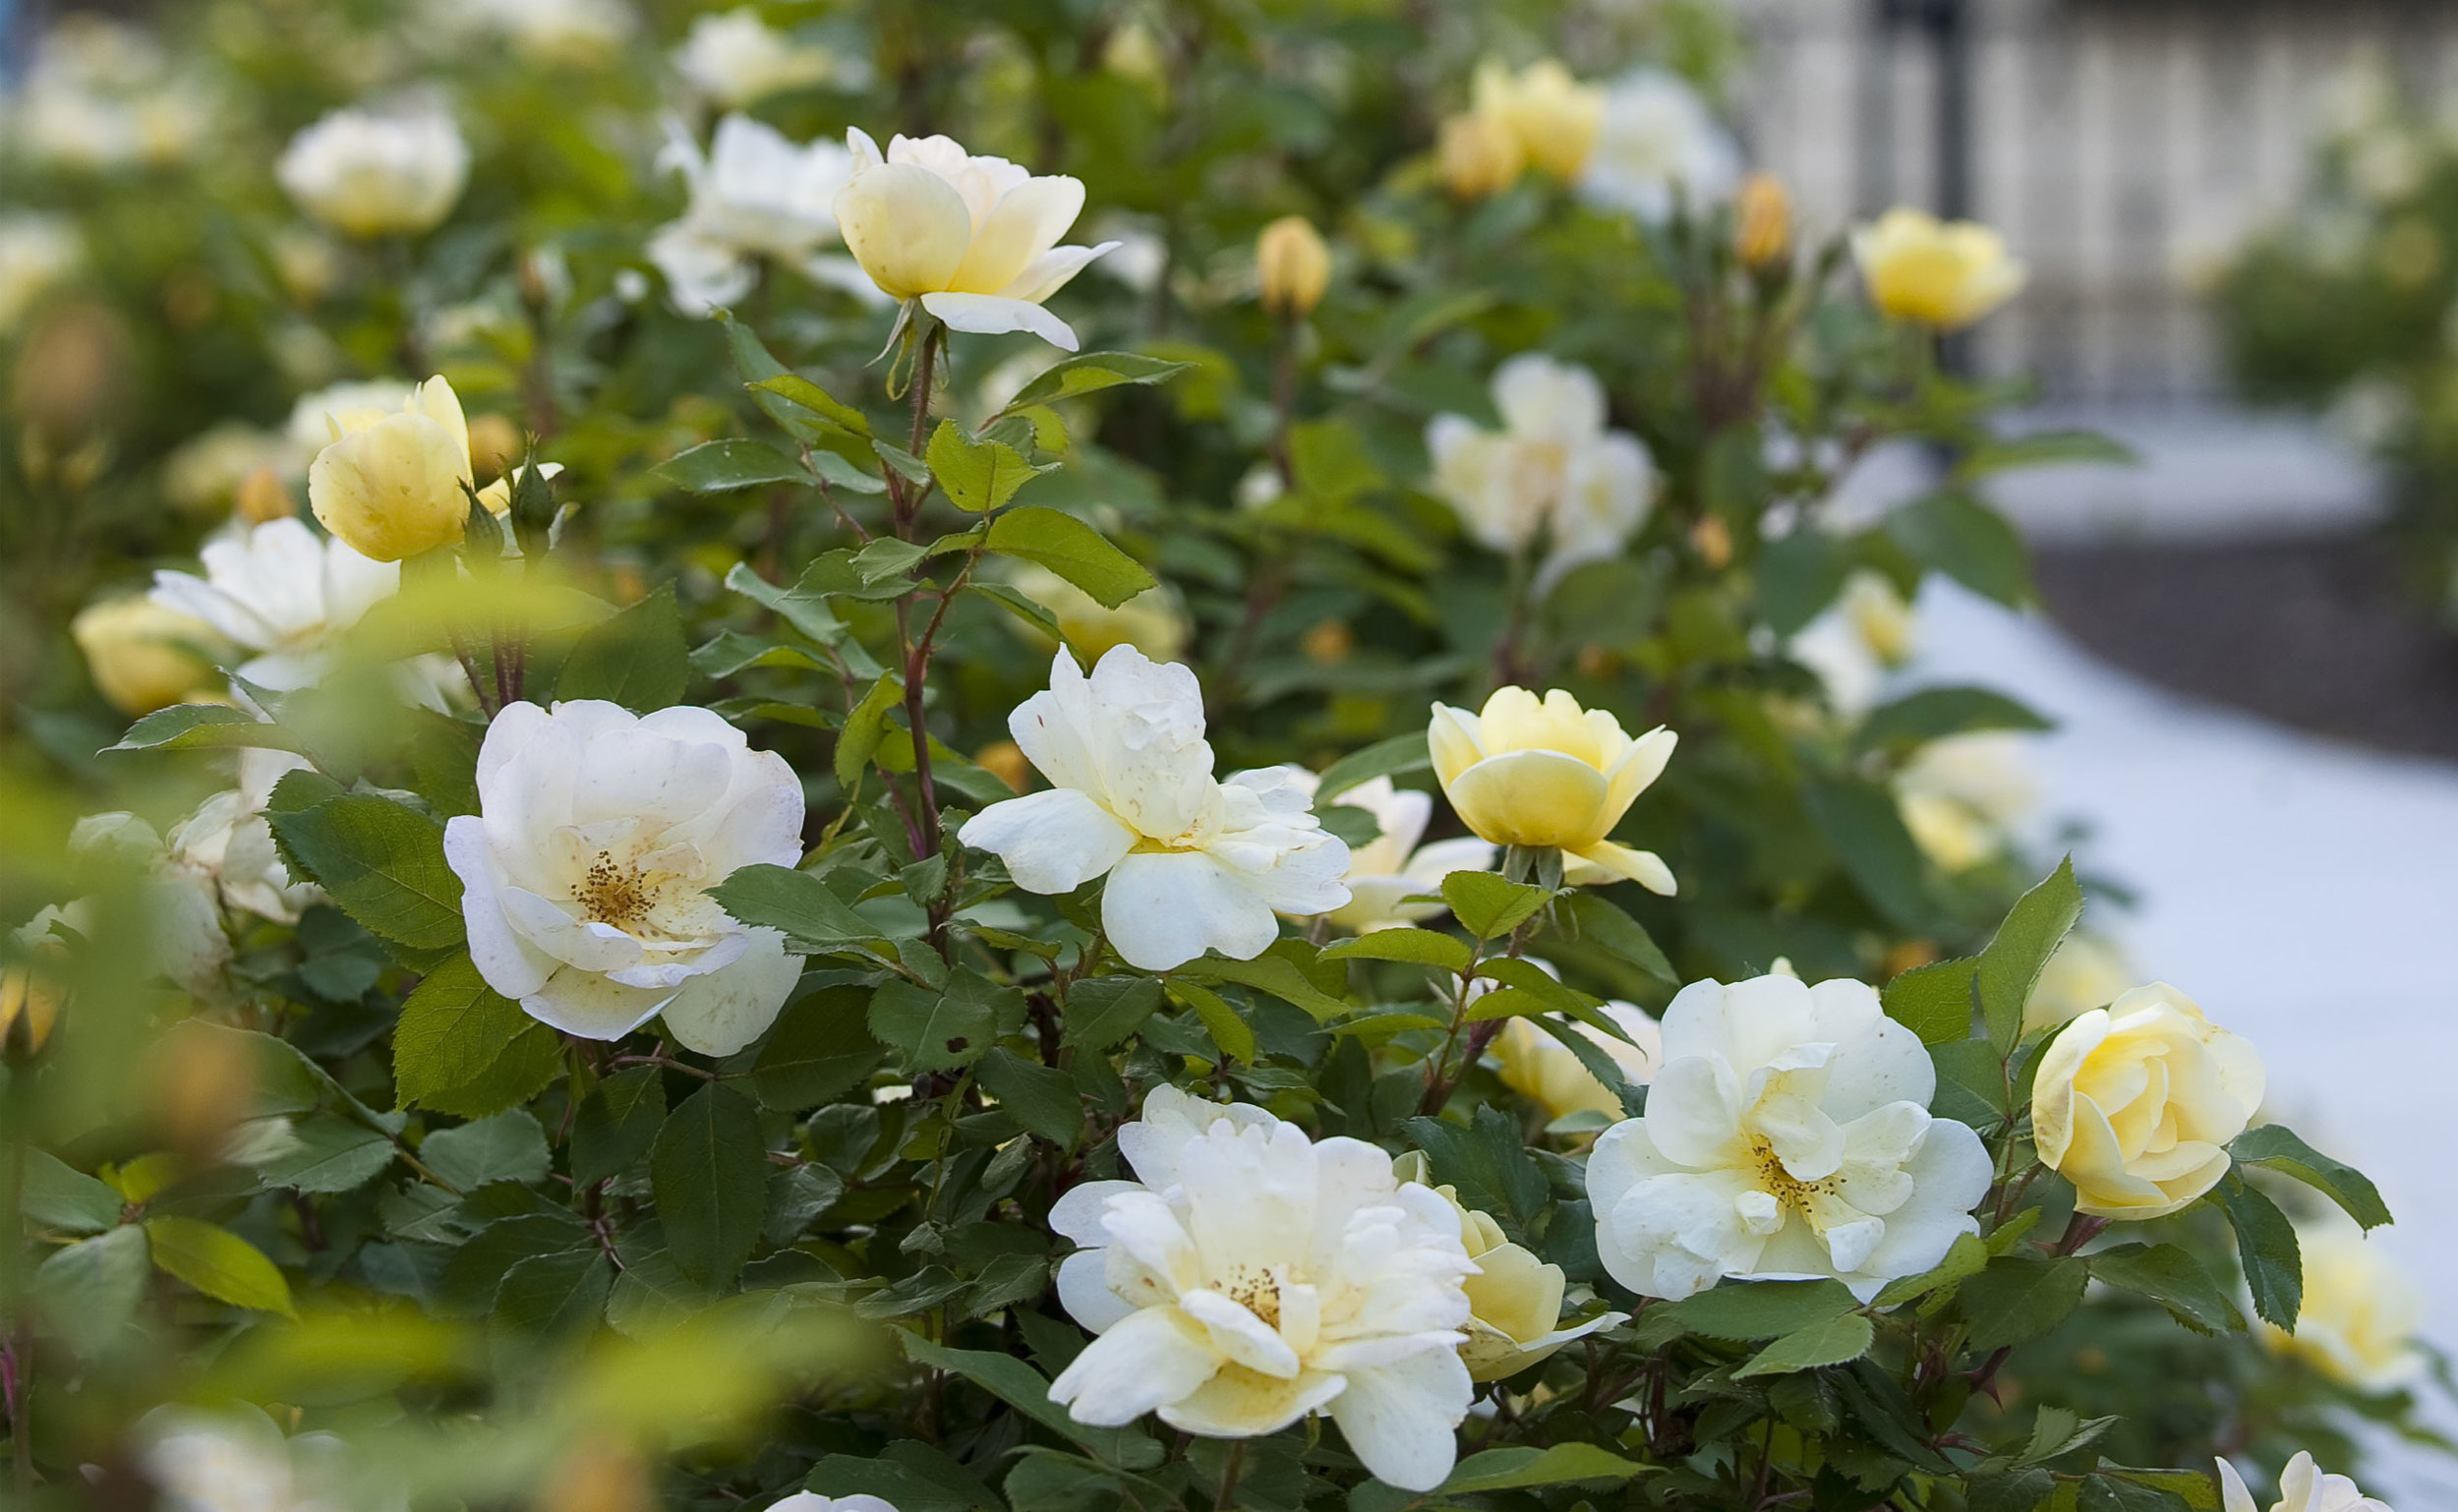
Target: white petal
x: 988, y: 314
x: 1052, y: 841
x: 1164, y: 909
x: 592, y: 1006
x: 1403, y: 1420
x: 1145, y: 1361
x: 1086, y: 1296
x: 722, y: 1011
x: 505, y: 961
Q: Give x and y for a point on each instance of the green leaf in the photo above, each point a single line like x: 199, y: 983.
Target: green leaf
x: 1275, y: 975
x: 1799, y: 576
x: 1489, y: 905
x: 820, y: 1047
x: 88, y: 1293
x: 934, y: 1030
x: 2118, y: 1493
x: 2020, y: 1296
x: 719, y: 467
x: 976, y: 476
x: 1616, y: 931
x: 2266, y: 1249
x: 554, y: 1296
x: 615, y: 1123
x: 1833, y: 1342
x: 507, y: 1147
x: 806, y: 610
x: 1935, y: 713
x: 2044, y: 449
x: 2198, y: 1490
x: 1400, y: 756
x: 1935, y: 1000
x: 2275, y: 1146
x: 866, y: 725
x: 1864, y: 830
x: 1487, y: 1163
x: 1519, y: 1467
x: 1968, y: 542
x: 1607, y: 1072
x: 1023, y: 1388
x: 1762, y: 1309
x: 203, y: 726
x: 1091, y: 373
x: 1966, y: 1257
x: 2172, y: 1277
x: 1073, y: 549
x: 803, y: 395
x: 1421, y: 947
x: 59, y: 1196
x: 1041, y: 1098
x: 320, y: 1153
x: 2010, y: 965
x: 906, y: 1474
x: 1229, y: 1031
x: 2015, y: 1491
x: 813, y: 918
x: 1104, y: 1011
x: 709, y: 1172
x: 1029, y: 610
x: 460, y: 1045
x: 381, y: 861
x: 637, y: 659
x: 218, y: 1263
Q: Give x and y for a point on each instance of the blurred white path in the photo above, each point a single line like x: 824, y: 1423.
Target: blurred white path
x: 2305, y: 893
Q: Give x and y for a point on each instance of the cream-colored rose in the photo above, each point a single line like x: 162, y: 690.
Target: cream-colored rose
x: 1552, y: 115
x: 393, y: 486
x: 145, y: 656
x: 2135, y: 1103
x: 1548, y: 773
x: 368, y: 173
x: 1514, y: 1301
x: 1292, y: 267
x: 1542, y: 1069
x: 2302, y: 1487
x: 2087, y: 971
x: 2360, y: 1310
x: 1961, y: 794
x: 1941, y: 274
x: 736, y: 59
x: 1479, y: 157
x: 1762, y: 221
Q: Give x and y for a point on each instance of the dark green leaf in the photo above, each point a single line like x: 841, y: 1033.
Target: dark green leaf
x: 1762, y: 1309
x: 1073, y: 549
x: 461, y: 1047
x: 2170, y: 1276
x: 1023, y: 1388
x: 1866, y: 831
x: 1519, y: 1467
x: 615, y: 1123
x: 821, y: 1046
x: 2267, y: 1247
x: 1833, y: 1342
x: 1935, y: 713
x: 2020, y: 1296
x: 1273, y: 973
x: 321, y: 1152
x: 1799, y: 576
x: 933, y: 1030
x: 1620, y: 933
x: 1966, y: 1257
x: 507, y: 1147
x: 2115, y: 1494
x: 1968, y: 542
x: 1041, y: 1098
x: 382, y: 862
x: 909, y: 1474
x: 637, y: 659
x: 1487, y: 1163
x: 2015, y: 1490
x: 1104, y: 1011
x: 1936, y: 1000
x: 2010, y: 965
x: 2275, y: 1146
x: 709, y: 1171
x: 806, y: 611
x: 1229, y: 1031
x: 550, y: 1295
x: 799, y: 906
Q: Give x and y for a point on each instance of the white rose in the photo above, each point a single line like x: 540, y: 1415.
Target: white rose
x: 1194, y: 863
x: 736, y: 59
x: 367, y: 173
x: 2302, y: 1487
x: 1552, y: 471
x: 1252, y: 1277
x: 228, y: 839
x: 755, y: 195
x: 1658, y: 138
x: 585, y: 871
x: 1392, y: 866
x: 278, y: 591
x: 37, y: 252
x: 1787, y: 1134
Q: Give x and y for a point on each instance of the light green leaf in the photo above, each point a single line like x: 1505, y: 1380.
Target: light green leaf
x: 976, y: 476
x: 866, y: 725
x: 1616, y: 931
x: 202, y: 727
x: 1073, y: 549
x: 320, y: 1153
x: 381, y: 861
x: 60, y: 1197
x: 88, y: 1293
x: 1221, y: 1022
x: 797, y: 607
x: 803, y: 395
x: 1421, y: 947
x: 218, y: 1263
x: 1091, y: 373
x: 1833, y: 1342
x: 1400, y: 756
x: 2010, y: 968
x: 1489, y: 905
x: 1934, y: 1001
x: 463, y: 1048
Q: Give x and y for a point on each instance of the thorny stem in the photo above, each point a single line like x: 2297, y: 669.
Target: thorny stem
x: 914, y: 659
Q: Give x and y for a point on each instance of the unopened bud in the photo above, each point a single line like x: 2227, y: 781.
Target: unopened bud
x: 1762, y: 223
x: 1480, y: 156
x: 1712, y: 539
x: 1292, y: 266
x: 262, y: 497
x: 494, y: 444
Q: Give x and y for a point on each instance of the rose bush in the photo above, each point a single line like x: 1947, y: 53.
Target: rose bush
x: 741, y: 878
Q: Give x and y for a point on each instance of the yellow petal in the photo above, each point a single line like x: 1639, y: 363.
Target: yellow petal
x: 1532, y: 799
x: 907, y: 226
x: 1027, y: 223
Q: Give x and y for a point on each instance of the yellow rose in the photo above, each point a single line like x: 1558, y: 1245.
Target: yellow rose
x: 2135, y: 1103
x: 1478, y: 155
x: 2360, y: 1311
x: 1762, y: 223
x: 392, y: 486
x: 1514, y: 1301
x: 1548, y: 773
x: 145, y: 656
x: 1542, y: 1069
x: 1553, y: 117
x: 1942, y: 275
x: 1292, y: 267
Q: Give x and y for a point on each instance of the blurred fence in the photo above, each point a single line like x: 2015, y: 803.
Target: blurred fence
x: 2121, y: 145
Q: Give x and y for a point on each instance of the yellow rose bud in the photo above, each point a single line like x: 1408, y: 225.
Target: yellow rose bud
x: 1549, y: 775
x: 494, y: 444
x: 1937, y: 274
x: 31, y: 999
x: 260, y: 496
x: 2360, y: 1311
x: 2135, y: 1103
x: 1514, y: 1301
x: 1554, y: 116
x: 1480, y: 156
x: 1762, y: 223
x: 497, y: 497
x: 1292, y: 267
x: 392, y: 486
x: 145, y: 656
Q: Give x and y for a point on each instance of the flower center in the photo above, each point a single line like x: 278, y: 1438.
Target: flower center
x: 614, y: 892
x: 1257, y: 1291
x: 1806, y: 1198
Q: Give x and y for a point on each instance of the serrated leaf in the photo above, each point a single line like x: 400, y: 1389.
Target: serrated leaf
x: 820, y: 1047
x: 976, y: 476
x: 1073, y: 549
x: 1490, y: 905
x: 1221, y: 1022
x: 1935, y: 1000
x: 2172, y: 1277
x: 799, y: 906
x: 461, y: 1042
x: 866, y: 725
x: 1518, y: 1467
x: 1762, y: 1309
x: 2267, y: 1247
x: 1966, y: 1257
x: 2276, y: 1147
x: 1488, y: 1164
x: 1616, y: 931
x: 218, y: 1263
x: 1420, y: 946
x: 1091, y: 373
x: 935, y: 1030
x: 1274, y: 974
x: 2020, y: 1298
x: 1833, y: 1342
x: 550, y: 1295
x: 637, y: 658
x: 381, y: 862
x: 507, y: 1147
x: 615, y: 1123
x: 322, y: 1153
x: 2010, y: 968
x: 1041, y: 1098
x: 719, y: 467
x: 709, y: 1172
x: 204, y: 726
x: 1104, y: 1011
